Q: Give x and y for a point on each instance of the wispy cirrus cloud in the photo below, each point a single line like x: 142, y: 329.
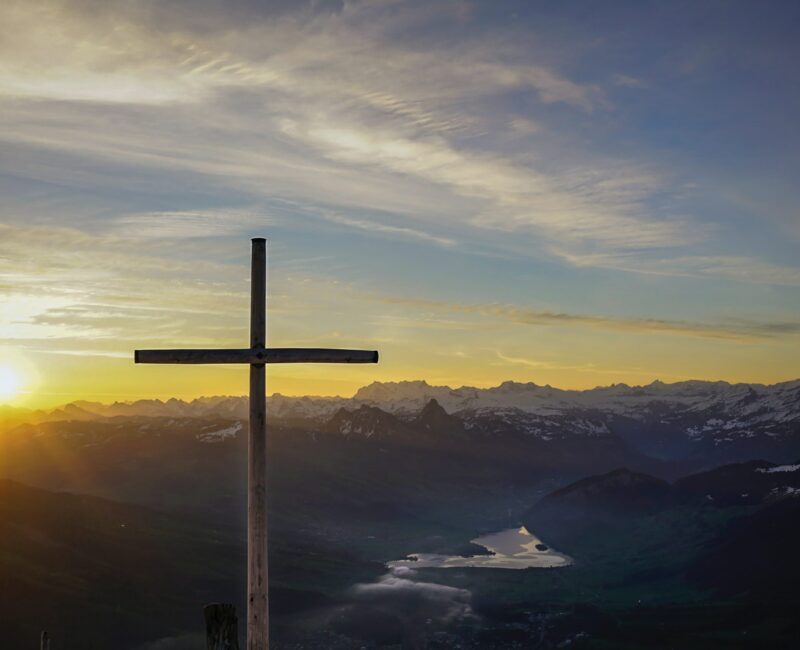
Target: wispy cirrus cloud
x: 732, y: 330
x: 332, y: 127
x: 734, y: 267
x: 591, y: 368
x: 378, y: 227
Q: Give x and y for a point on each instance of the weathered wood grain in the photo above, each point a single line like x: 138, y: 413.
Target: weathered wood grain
x: 257, y: 355
x: 320, y: 355
x: 257, y: 569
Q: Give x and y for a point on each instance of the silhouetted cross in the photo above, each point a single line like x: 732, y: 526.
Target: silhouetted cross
x: 257, y: 355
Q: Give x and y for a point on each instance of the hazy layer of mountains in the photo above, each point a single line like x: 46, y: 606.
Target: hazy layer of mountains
x: 686, y: 420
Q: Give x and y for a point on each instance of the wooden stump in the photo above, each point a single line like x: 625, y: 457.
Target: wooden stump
x: 222, y: 629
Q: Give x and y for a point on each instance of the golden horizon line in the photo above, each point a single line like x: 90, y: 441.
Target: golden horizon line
x: 187, y: 400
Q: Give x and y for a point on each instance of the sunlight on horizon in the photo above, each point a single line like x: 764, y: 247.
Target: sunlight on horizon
x: 10, y: 383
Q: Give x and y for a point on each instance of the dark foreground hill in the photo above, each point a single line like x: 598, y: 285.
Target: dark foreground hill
x: 755, y: 555
x: 99, y: 574
x: 623, y: 493
x: 749, y: 483
x: 599, y: 501
x: 94, y: 572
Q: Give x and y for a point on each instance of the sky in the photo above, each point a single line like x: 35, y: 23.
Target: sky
x: 569, y: 193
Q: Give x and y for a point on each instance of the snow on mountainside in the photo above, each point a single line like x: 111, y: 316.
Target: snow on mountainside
x: 778, y: 468
x: 547, y: 427
x: 684, y: 419
x: 220, y: 435
x: 779, y: 402
x: 365, y: 421
x: 735, y: 403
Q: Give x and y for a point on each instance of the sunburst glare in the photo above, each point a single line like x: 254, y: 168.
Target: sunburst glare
x: 10, y: 383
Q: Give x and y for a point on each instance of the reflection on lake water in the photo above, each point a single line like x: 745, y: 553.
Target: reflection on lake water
x: 515, y: 548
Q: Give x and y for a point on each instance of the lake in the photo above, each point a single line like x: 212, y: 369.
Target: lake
x: 514, y: 548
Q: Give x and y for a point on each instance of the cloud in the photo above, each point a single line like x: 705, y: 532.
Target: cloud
x: 585, y: 367
x: 739, y: 267
x: 627, y: 81
x: 588, y: 206
x: 733, y: 267
x: 300, y: 106
x: 380, y: 228
x: 184, y: 224
x: 112, y: 291
x: 399, y: 591
x: 732, y: 331
x: 344, y: 108
x: 524, y: 126
x: 63, y: 288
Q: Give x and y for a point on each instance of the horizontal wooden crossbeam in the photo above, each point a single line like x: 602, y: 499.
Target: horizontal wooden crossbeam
x: 257, y: 356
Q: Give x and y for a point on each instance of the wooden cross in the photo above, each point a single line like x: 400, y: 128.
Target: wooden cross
x: 257, y: 355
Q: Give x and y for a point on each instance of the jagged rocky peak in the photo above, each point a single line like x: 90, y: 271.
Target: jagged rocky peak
x: 434, y: 417
x: 365, y: 420
x: 379, y: 391
x: 409, y: 397
x: 517, y: 386
x: 432, y: 409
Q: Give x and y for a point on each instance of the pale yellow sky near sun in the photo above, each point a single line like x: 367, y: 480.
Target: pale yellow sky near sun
x: 578, y: 359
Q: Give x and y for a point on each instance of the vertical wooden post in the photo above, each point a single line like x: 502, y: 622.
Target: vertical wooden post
x: 257, y: 569
x: 222, y: 627
x: 44, y: 642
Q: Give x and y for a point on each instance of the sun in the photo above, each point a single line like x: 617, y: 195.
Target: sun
x: 10, y: 382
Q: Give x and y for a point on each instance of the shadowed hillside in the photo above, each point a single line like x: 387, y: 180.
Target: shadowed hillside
x: 98, y: 574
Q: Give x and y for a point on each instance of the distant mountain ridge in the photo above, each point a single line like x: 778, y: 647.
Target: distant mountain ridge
x: 619, y: 496
x: 629, y: 493
x: 733, y: 530
x: 690, y: 419
x: 411, y: 396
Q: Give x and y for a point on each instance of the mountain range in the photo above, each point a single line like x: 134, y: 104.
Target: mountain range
x: 714, y: 421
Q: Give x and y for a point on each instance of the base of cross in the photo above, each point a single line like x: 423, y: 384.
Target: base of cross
x: 222, y: 627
